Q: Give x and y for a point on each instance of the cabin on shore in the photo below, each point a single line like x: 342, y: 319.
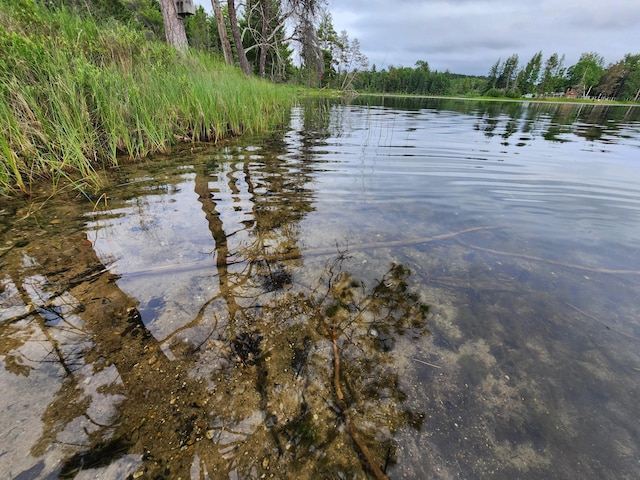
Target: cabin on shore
x: 572, y: 93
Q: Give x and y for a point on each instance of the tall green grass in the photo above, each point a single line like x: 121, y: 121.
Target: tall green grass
x: 77, y: 96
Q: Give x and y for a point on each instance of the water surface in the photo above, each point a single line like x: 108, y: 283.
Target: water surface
x: 469, y: 270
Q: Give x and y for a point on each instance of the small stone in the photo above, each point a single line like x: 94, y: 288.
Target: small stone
x: 138, y: 474
x: 210, y: 434
x: 265, y: 463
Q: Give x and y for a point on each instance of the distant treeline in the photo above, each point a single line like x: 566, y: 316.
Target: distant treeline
x: 418, y: 81
x: 587, y: 78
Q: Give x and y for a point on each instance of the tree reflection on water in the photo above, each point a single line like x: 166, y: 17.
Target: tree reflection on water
x: 278, y: 373
x: 253, y: 389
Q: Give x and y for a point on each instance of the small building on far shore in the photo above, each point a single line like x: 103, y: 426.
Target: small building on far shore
x: 571, y: 93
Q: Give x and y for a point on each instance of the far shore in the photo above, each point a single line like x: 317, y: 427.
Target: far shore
x: 551, y: 100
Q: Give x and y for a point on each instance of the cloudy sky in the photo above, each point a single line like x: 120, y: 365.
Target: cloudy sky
x: 468, y: 36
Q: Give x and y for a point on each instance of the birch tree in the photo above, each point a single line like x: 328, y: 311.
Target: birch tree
x: 350, y: 59
x: 586, y: 74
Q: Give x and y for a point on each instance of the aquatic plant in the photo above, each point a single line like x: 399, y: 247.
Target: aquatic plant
x: 351, y: 318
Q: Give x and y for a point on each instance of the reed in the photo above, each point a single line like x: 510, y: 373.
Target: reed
x: 79, y: 96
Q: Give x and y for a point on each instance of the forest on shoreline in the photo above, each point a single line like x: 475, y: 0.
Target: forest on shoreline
x: 588, y: 79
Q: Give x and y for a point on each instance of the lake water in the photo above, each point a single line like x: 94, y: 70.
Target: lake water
x: 382, y: 288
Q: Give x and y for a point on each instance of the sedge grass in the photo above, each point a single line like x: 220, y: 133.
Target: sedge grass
x: 77, y: 97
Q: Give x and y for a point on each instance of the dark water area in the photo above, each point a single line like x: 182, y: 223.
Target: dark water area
x: 386, y: 287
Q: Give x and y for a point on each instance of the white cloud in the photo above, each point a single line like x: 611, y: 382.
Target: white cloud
x: 468, y: 36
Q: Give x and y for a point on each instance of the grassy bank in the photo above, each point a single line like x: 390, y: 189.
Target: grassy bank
x: 78, y: 97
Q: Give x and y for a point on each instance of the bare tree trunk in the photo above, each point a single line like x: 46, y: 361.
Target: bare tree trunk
x: 173, y: 26
x: 266, y: 20
x: 586, y: 95
x: 222, y: 32
x: 237, y: 40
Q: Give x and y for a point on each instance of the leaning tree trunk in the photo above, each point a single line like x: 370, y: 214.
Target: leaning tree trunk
x: 237, y: 40
x: 222, y: 31
x: 173, y: 26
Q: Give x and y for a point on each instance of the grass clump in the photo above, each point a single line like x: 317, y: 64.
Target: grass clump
x: 78, y: 95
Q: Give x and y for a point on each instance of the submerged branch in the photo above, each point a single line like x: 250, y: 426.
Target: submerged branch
x: 553, y: 262
x: 433, y: 365
x: 367, y: 459
x: 596, y: 319
x: 205, y: 264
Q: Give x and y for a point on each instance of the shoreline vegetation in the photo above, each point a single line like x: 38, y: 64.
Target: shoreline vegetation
x: 550, y: 100
x: 79, y: 97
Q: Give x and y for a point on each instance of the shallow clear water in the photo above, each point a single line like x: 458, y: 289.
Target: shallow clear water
x: 470, y: 270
